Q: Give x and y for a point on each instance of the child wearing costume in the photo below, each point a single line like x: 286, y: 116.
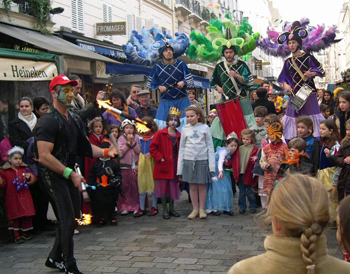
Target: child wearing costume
x: 145, y: 169
x: 16, y: 178
x: 219, y: 191
x: 105, y: 175
x: 164, y: 149
x: 129, y: 144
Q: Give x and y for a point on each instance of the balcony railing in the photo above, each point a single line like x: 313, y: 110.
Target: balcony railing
x: 184, y: 3
x: 207, y: 15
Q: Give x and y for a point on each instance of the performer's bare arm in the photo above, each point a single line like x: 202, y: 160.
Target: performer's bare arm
x: 98, y: 152
x: 48, y: 160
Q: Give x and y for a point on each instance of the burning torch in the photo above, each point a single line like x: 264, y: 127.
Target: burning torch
x: 86, y: 197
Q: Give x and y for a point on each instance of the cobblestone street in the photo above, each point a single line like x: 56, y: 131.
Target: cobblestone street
x: 152, y: 245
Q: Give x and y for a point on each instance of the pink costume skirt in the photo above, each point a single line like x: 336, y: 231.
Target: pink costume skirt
x: 129, y: 198
x: 167, y: 189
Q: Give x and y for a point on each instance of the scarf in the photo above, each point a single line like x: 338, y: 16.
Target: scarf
x: 117, y: 116
x: 30, y: 120
x: 295, y: 160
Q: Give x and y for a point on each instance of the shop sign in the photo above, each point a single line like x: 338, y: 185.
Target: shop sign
x: 26, y: 70
x: 111, y: 28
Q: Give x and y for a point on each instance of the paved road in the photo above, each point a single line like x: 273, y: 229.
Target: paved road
x: 152, y: 245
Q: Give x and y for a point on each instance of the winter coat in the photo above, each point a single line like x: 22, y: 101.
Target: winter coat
x: 283, y: 255
x: 19, y: 133
x: 270, y: 106
x: 17, y: 204
x: 344, y: 176
x: 162, y: 148
x: 305, y: 167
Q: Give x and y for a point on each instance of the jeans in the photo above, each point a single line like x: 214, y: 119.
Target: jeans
x: 245, y: 190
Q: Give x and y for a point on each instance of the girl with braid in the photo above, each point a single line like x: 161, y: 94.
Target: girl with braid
x: 298, y: 211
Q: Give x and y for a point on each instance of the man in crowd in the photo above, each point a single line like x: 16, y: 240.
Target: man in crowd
x: 60, y: 138
x: 132, y: 100
x: 263, y: 101
x: 78, y: 101
x: 145, y: 109
x: 266, y: 85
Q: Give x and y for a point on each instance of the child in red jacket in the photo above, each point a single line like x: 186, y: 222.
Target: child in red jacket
x: 16, y: 178
x: 164, y: 149
x: 246, y: 181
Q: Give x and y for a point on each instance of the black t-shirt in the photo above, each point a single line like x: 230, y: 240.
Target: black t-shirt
x: 68, y: 137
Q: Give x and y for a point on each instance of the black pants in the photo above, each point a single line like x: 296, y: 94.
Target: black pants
x: 65, y: 200
x: 41, y: 205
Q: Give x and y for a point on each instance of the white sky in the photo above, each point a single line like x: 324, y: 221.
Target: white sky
x: 318, y: 11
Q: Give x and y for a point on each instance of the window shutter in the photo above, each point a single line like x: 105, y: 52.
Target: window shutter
x: 107, y: 17
x: 80, y: 16
x: 130, y: 24
x: 138, y: 24
x: 74, y: 15
x: 77, y: 15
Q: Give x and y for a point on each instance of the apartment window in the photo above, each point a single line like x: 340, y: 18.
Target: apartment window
x: 77, y: 15
x: 107, y: 17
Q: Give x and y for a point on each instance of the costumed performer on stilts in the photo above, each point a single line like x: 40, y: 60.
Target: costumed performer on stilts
x: 171, y: 77
x: 299, y: 70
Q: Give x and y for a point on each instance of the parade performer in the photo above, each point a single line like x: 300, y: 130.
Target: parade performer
x: 171, y: 77
x: 299, y: 70
x: 60, y: 138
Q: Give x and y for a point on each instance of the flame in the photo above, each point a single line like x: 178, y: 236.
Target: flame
x: 141, y: 126
x: 85, y: 219
x: 104, y: 104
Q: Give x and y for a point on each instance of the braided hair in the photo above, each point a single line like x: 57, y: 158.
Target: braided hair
x: 299, y: 203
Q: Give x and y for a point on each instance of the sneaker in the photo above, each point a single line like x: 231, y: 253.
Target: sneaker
x: 54, y: 264
x: 253, y: 211
x: 113, y: 221
x: 138, y: 213
x: 73, y: 269
x: 19, y: 240
x: 124, y: 212
x: 215, y: 213
x: 76, y: 232
x: 153, y: 212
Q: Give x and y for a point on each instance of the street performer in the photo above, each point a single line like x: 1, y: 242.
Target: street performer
x: 232, y: 77
x: 171, y: 77
x: 60, y: 138
x: 298, y: 72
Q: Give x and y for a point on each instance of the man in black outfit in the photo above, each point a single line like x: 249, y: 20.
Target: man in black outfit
x: 263, y: 101
x: 60, y: 138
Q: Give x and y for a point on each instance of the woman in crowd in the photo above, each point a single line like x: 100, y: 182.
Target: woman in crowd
x: 41, y: 105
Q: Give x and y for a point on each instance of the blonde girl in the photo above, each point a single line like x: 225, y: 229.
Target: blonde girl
x: 298, y: 211
x: 196, y: 159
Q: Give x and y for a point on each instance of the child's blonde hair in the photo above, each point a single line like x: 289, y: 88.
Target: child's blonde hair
x: 92, y: 124
x: 198, y: 111
x: 346, y: 138
x: 249, y: 132
x: 299, y: 203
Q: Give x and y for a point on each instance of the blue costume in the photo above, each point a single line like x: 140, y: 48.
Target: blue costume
x: 169, y: 76
x: 219, y: 192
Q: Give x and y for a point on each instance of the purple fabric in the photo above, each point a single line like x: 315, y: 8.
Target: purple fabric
x: 167, y: 188
x: 129, y: 199
x: 310, y: 109
x: 113, y: 121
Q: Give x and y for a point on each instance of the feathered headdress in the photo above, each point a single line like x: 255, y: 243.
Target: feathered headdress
x: 315, y: 38
x: 222, y: 34
x: 143, y: 49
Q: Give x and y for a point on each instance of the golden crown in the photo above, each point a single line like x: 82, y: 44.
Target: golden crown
x: 175, y: 111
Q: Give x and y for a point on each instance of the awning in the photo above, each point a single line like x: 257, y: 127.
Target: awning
x: 51, y: 43
x: 127, y: 69
x: 18, y: 54
x: 102, y: 50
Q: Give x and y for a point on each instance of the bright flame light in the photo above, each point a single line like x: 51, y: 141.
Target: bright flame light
x: 104, y: 104
x: 85, y: 219
x: 141, y: 126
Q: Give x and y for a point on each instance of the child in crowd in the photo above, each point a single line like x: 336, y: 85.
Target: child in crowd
x: 16, y: 178
x: 105, y: 175
x: 219, y: 191
x: 191, y: 93
x: 305, y: 128
x: 129, y: 144
x: 96, y: 137
x: 343, y: 231
x: 259, y: 129
x: 342, y: 159
x: 247, y: 158
x: 164, y: 149
x: 196, y: 159
x: 330, y: 146
x: 325, y: 110
x: 145, y: 169
x: 273, y: 155
x: 298, y: 161
x: 343, y: 112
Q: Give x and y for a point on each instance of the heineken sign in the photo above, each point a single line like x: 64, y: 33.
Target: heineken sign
x: 111, y: 28
x: 26, y: 70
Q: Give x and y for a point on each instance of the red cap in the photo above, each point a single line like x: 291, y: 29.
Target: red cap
x: 62, y: 80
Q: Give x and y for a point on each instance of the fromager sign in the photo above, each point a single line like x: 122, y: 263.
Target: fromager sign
x: 111, y: 28
x: 26, y: 70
